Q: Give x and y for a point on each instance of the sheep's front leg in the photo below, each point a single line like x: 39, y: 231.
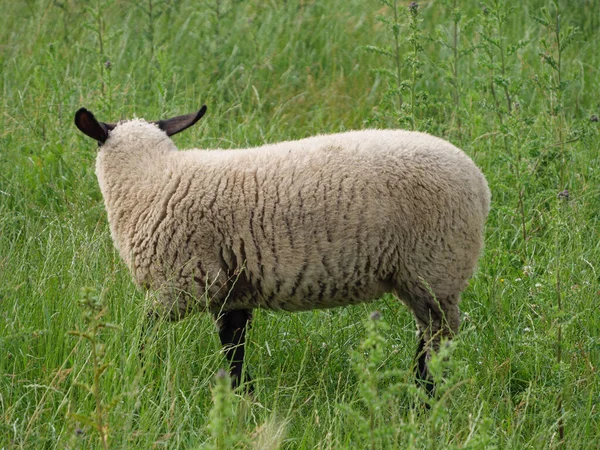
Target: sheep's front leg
x: 232, y: 331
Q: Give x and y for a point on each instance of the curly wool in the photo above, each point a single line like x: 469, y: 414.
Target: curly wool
x: 320, y: 222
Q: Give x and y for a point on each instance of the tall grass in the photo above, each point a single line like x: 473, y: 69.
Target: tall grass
x: 515, y: 84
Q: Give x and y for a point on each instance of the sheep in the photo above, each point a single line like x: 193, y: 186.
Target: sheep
x: 326, y: 221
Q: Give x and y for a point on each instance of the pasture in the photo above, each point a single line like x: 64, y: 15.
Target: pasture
x: 516, y: 85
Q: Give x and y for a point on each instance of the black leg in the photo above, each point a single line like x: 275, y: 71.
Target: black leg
x: 232, y: 331
x: 423, y: 377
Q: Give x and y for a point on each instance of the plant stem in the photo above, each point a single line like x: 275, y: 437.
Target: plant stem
x: 100, y: 41
x: 502, y: 59
x: 151, y: 29
x: 559, y: 99
x: 99, y: 413
x: 561, y: 425
x: 413, y: 80
x: 522, y: 213
x: 455, y: 65
x: 396, y: 31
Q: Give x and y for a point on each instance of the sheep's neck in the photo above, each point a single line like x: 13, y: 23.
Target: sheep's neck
x: 130, y: 186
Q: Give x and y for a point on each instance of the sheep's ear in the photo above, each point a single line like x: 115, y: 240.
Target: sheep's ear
x: 88, y: 125
x: 176, y: 124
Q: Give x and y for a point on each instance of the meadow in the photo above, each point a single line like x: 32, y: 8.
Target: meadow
x: 514, y: 84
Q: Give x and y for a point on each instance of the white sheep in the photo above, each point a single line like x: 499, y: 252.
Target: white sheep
x: 326, y: 221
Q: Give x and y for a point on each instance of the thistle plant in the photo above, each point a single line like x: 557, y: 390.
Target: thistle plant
x: 378, y: 393
x: 391, y: 410
x: 451, y: 37
x: 555, y: 39
x: 414, y: 39
x: 221, y: 417
x: 93, y: 316
x: 368, y: 364
x: 497, y: 53
x: 97, y: 25
x: 402, y: 70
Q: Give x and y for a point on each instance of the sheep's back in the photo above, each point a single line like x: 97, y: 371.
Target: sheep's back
x: 334, y: 220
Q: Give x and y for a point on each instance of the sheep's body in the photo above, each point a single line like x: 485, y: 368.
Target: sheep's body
x: 315, y: 223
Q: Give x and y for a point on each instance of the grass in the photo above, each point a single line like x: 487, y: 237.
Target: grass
x: 515, y: 84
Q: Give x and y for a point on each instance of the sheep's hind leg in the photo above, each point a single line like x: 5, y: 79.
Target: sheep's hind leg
x: 422, y: 375
x: 437, y: 319
x: 232, y: 331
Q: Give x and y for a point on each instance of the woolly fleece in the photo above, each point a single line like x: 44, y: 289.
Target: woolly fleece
x: 320, y: 222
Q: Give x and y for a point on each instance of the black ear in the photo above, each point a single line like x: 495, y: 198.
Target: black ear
x: 88, y: 125
x: 176, y: 124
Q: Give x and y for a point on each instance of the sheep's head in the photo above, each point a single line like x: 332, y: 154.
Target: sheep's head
x: 88, y: 125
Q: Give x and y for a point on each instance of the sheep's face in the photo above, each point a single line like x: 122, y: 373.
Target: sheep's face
x: 101, y: 132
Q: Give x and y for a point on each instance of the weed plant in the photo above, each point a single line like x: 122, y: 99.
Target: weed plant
x: 514, y: 84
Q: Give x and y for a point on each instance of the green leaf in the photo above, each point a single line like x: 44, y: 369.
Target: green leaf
x: 83, y: 419
x: 102, y: 368
x: 85, y: 386
x: 376, y: 50
x: 568, y: 38
x: 386, y: 72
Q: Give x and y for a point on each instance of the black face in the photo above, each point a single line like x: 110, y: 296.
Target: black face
x: 88, y: 125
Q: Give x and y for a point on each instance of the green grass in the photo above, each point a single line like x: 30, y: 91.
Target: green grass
x: 523, y: 371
